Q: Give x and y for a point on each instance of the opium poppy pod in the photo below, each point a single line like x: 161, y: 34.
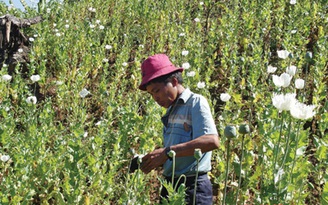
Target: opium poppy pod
x: 244, y: 129
x: 230, y: 131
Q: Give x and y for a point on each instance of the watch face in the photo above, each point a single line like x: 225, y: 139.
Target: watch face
x: 134, y: 164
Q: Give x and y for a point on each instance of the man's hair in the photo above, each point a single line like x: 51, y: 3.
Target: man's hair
x: 167, y: 78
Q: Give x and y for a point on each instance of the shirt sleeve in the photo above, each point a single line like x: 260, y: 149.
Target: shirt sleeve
x: 202, y: 119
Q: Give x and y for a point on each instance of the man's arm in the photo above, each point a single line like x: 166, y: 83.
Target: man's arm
x: 158, y: 157
x: 206, y: 143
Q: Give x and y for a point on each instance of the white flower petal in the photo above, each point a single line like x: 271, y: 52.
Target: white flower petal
x: 283, y: 54
x: 6, y: 77
x: 4, y: 158
x: 35, y: 78
x: 291, y: 70
x: 284, y: 101
x: 201, y: 85
x: 299, y: 83
x: 225, y: 97
x: 271, y: 69
x: 186, y: 65
x: 84, y: 93
x: 184, y: 53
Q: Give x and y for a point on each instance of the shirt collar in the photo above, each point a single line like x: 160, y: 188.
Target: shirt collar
x: 185, y: 95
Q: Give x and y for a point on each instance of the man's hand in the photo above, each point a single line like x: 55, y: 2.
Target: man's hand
x: 153, y: 160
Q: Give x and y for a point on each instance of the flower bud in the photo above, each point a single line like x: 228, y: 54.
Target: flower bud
x: 198, y: 153
x: 230, y: 131
x: 244, y: 129
x: 308, y: 56
x: 290, y: 55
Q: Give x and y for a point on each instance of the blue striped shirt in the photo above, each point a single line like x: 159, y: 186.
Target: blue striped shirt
x: 190, y: 117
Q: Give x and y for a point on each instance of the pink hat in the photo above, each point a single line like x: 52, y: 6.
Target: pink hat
x: 154, y: 67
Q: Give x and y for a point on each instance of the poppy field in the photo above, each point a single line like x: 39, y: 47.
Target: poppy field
x: 72, y: 118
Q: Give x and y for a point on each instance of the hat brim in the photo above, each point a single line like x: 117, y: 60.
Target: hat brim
x: 159, y: 73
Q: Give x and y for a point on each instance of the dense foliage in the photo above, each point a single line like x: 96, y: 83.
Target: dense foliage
x: 68, y: 137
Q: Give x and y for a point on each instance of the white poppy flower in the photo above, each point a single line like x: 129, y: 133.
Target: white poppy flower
x: 6, y: 77
x: 302, y: 111
x: 108, y: 47
x: 35, y: 78
x: 225, y: 97
x: 278, y: 175
x: 124, y: 64
x: 292, y: 2
x: 91, y: 9
x: 201, y: 85
x: 84, y: 93
x: 299, y: 83
x: 191, y: 74
x: 58, y: 82
x: 85, y: 134
x: 4, y: 158
x: 282, y: 81
x: 291, y: 70
x: 284, y: 101
x: 271, y: 69
x: 31, y: 100
x: 197, y: 20
x: 184, y: 53
x: 283, y: 54
x: 186, y: 65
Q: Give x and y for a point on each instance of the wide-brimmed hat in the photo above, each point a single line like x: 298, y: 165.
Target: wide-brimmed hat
x: 156, y: 66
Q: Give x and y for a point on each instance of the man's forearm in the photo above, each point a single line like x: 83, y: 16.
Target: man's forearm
x: 205, y: 143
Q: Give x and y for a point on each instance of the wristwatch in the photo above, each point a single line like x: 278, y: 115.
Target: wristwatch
x: 167, y: 150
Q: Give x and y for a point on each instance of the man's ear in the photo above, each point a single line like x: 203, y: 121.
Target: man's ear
x: 175, y: 81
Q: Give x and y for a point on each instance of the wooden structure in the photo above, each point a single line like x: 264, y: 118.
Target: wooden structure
x: 14, y: 45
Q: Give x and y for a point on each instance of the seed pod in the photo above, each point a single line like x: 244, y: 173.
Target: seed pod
x: 244, y: 129
x: 230, y: 131
x: 308, y: 56
x: 172, y: 153
x: 198, y: 154
x: 291, y: 55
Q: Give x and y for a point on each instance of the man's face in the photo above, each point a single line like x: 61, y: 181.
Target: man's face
x: 163, y: 94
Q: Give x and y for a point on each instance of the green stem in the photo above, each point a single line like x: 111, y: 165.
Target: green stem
x: 173, y: 169
x: 276, y: 151
x: 241, y: 164
x: 184, y: 182
x: 226, y: 174
x: 262, y: 171
x: 287, y: 143
x: 295, y: 152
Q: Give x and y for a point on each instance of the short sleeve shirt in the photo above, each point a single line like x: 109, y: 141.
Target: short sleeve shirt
x: 189, y: 118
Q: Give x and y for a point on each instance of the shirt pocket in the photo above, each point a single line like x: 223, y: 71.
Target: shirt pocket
x: 183, y: 132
